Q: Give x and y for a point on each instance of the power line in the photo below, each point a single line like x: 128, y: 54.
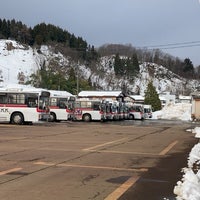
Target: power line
x: 184, y: 46
x: 173, y: 45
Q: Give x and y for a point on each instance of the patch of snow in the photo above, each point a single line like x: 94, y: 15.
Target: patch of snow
x: 178, y: 111
x: 188, y: 188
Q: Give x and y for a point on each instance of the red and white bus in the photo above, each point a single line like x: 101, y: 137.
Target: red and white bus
x: 136, y: 111
x: 23, y: 104
x: 106, y: 110
x: 61, y: 106
x: 88, y: 110
x: 113, y: 110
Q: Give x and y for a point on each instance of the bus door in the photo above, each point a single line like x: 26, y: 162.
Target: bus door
x: 114, y: 108
x: 43, y: 105
x: 109, y: 111
x: 67, y: 108
x: 4, y: 112
x: 70, y: 107
x: 78, y: 110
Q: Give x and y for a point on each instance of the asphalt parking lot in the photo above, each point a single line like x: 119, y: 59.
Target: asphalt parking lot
x: 125, y: 160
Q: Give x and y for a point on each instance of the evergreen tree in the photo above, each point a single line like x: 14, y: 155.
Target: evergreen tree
x: 133, y: 66
x: 119, y: 65
x: 5, y: 29
x: 152, y: 97
x: 48, y: 79
x: 188, y: 68
x: 72, y: 83
x: 135, y: 63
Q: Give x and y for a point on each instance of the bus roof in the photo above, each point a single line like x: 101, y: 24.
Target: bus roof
x: 20, y: 88
x: 99, y: 93
x: 58, y: 93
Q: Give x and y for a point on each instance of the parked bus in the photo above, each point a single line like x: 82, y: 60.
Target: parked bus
x: 119, y: 110
x: 61, y: 106
x: 125, y: 109
x: 136, y: 111
x: 106, y: 110
x: 110, y: 110
x: 148, y: 111
x: 115, y: 110
x: 24, y: 104
x: 88, y: 110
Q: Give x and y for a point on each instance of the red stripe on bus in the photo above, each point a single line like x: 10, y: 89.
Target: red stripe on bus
x: 84, y: 109
x: 42, y: 110
x: 53, y: 107
x: 13, y: 105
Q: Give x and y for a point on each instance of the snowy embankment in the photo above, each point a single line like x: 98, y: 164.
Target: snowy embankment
x: 189, y: 187
x: 178, y: 111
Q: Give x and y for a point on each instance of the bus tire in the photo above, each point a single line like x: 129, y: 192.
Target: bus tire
x: 131, y: 117
x: 17, y: 118
x: 52, y: 117
x: 86, y: 117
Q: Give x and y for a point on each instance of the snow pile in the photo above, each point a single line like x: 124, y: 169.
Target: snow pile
x: 189, y: 187
x: 197, y: 131
x: 178, y: 111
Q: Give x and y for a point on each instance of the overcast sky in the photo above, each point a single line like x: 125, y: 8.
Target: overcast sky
x: 142, y: 23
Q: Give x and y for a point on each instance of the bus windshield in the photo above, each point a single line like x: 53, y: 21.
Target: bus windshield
x: 44, y: 100
x: 43, y: 103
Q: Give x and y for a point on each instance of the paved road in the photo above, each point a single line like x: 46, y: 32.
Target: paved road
x: 74, y: 160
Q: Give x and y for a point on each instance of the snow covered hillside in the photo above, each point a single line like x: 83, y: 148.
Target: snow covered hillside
x: 16, y: 59
x: 18, y: 62
x: 163, y: 79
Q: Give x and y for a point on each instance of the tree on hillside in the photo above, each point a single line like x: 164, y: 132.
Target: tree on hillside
x: 188, y: 68
x: 126, y: 66
x: 56, y: 80
x: 132, y: 67
x: 4, y: 29
x: 48, y: 79
x: 197, y: 70
x: 151, y: 97
x: 117, y: 64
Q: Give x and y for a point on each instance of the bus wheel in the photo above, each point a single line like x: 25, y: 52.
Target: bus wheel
x: 17, y: 118
x: 86, y: 118
x: 131, y: 117
x: 52, y: 117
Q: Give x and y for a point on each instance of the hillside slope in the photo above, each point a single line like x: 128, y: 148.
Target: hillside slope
x: 18, y: 62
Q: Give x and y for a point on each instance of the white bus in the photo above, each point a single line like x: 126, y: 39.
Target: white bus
x: 111, y: 110
x: 119, y: 110
x: 24, y: 104
x: 61, y: 106
x: 88, y: 110
x: 136, y: 111
x: 148, y: 111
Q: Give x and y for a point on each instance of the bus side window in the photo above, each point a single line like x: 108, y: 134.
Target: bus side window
x: 62, y: 105
x: 53, y: 102
x: 3, y: 98
x: 20, y: 99
x: 32, y: 102
x: 96, y: 107
x: 138, y: 109
x: 11, y: 99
